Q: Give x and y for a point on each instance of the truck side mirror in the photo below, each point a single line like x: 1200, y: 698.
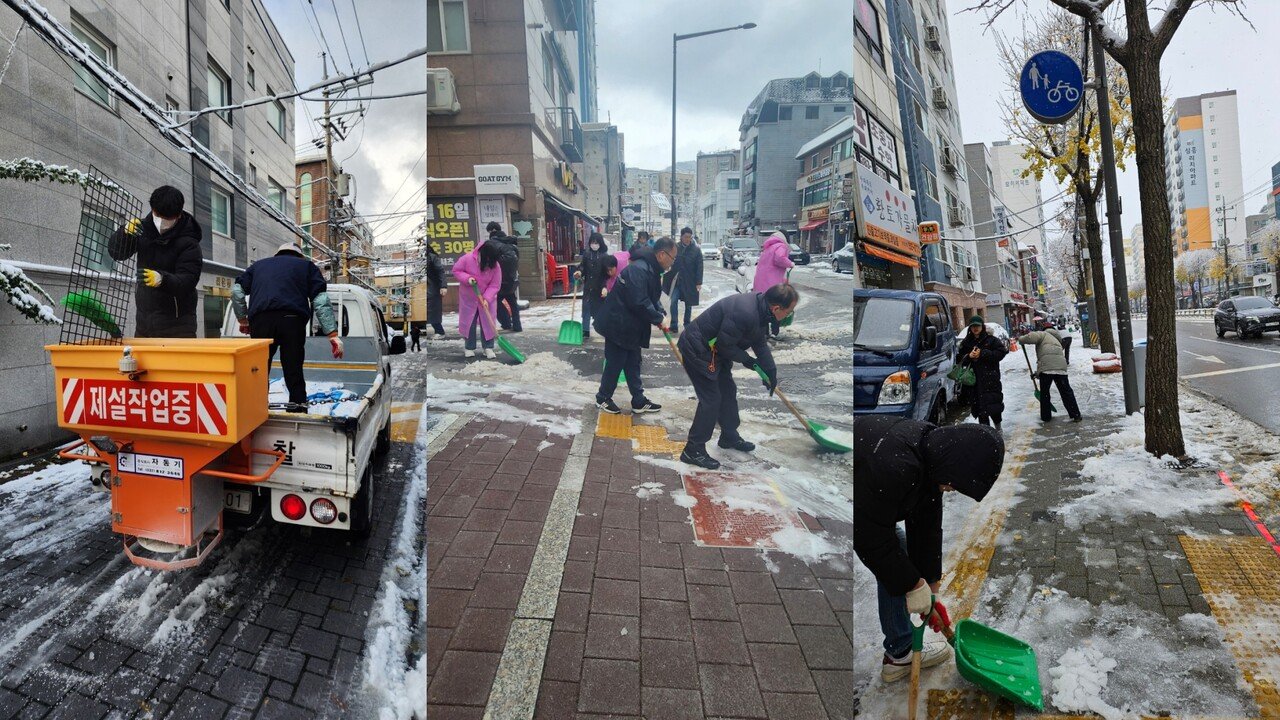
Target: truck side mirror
x: 930, y: 339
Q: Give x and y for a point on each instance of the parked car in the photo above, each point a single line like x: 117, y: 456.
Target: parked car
x: 710, y: 251
x: 1246, y: 316
x: 903, y: 347
x: 739, y: 251
x: 843, y: 259
x: 798, y: 256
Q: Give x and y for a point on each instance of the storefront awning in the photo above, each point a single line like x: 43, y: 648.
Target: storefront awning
x: 813, y: 225
x: 890, y: 255
x: 562, y: 205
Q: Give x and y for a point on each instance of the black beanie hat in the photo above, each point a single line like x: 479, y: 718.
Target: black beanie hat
x: 967, y: 457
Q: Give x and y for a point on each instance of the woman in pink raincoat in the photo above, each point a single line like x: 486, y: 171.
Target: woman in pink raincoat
x: 623, y: 257
x: 772, y: 267
x: 478, y: 270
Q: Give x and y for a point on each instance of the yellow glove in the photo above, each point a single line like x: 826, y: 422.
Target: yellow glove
x: 150, y: 278
x: 132, y: 227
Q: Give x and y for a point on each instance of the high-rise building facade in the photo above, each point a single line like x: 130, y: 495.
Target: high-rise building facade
x: 1021, y: 195
x: 718, y: 208
x: 709, y: 167
x: 1204, y: 181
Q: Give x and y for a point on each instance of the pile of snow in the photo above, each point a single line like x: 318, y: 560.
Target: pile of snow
x: 812, y: 352
x: 465, y: 397
x: 811, y: 547
x: 1079, y: 680
x: 644, y: 491
x: 843, y: 438
x: 683, y: 499
x: 47, y: 509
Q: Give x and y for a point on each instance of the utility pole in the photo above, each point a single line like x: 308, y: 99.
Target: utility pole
x: 1118, y: 272
x: 1226, y: 254
x: 674, y: 39
x: 328, y: 175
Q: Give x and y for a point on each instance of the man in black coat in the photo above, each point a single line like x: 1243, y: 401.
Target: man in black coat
x: 167, y: 244
x: 983, y: 352
x: 710, y: 345
x: 901, y: 468
x: 509, y: 261
x: 684, y: 281
x: 625, y: 321
x: 415, y: 334
x: 436, y: 290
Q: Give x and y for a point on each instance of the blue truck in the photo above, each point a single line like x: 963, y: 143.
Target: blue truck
x: 904, y: 345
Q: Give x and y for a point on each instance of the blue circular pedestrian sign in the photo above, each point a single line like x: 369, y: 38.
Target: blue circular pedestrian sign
x: 1052, y: 86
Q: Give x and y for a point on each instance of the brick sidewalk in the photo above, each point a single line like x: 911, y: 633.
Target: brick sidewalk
x: 647, y: 622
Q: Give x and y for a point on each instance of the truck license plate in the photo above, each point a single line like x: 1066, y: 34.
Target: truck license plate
x: 239, y: 501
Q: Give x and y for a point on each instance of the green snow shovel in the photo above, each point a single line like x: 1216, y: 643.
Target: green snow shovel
x: 571, y: 330
x: 622, y: 374
x: 786, y: 321
x: 828, y: 437
x: 1034, y: 385
x: 507, y: 347
x: 999, y: 664
x: 84, y: 303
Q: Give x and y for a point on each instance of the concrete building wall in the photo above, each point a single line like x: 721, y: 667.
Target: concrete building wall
x: 45, y: 117
x: 719, y: 208
x: 1022, y: 196
x: 710, y: 165
x: 602, y: 168
x: 776, y: 168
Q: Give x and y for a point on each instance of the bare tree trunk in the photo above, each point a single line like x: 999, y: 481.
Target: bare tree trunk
x: 1162, y: 421
x: 1093, y: 236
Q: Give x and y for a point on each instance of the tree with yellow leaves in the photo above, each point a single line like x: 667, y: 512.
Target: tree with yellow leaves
x: 1068, y: 152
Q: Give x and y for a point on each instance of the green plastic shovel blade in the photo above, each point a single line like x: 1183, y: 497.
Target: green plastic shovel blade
x: 999, y: 664
x: 570, y: 333
x: 511, y: 350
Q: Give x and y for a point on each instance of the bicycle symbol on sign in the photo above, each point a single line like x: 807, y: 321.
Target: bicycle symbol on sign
x: 1055, y: 94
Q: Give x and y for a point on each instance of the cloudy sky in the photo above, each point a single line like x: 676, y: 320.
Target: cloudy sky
x: 719, y: 74
x: 1212, y: 51
x: 383, y: 150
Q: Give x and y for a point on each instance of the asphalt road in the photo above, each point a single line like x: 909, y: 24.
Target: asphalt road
x: 273, y: 624
x: 1240, y: 374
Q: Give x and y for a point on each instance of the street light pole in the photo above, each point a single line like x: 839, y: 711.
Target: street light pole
x: 675, y: 38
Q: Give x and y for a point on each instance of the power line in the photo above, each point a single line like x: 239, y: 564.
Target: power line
x: 342, y: 33
x: 406, y: 179
x: 364, y: 48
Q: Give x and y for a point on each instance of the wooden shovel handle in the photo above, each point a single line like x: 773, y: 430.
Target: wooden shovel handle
x: 573, y: 299
x: 674, y: 349
x: 913, y: 695
x: 794, y: 410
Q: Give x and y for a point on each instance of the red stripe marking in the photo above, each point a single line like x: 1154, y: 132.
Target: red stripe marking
x: 220, y: 423
x: 70, y: 406
x: 1249, y: 512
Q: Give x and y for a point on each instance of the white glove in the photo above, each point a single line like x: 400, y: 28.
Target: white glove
x: 920, y: 599
x: 335, y: 344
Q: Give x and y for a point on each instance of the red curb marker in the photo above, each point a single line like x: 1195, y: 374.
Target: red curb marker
x: 1248, y: 511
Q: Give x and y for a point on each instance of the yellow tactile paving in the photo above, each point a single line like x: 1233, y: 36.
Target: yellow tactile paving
x: 613, y: 426
x: 967, y: 705
x: 653, y: 439
x: 404, y: 421
x: 1240, y: 577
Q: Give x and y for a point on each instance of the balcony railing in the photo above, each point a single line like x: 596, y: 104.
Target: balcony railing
x: 565, y: 120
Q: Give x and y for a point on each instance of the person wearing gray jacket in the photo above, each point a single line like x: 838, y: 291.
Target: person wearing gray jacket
x: 1052, y: 368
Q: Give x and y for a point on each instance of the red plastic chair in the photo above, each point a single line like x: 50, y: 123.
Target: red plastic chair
x: 556, y: 274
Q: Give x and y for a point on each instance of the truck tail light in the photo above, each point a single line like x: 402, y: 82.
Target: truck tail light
x: 293, y: 507
x: 896, y: 389
x: 323, y: 511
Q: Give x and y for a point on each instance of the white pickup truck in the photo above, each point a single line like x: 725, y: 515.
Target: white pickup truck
x: 326, y: 480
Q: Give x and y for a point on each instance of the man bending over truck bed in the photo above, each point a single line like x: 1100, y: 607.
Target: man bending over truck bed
x: 283, y: 291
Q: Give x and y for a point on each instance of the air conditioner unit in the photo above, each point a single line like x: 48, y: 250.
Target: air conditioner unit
x: 442, y: 93
x: 949, y: 159
x: 968, y: 274
x: 956, y: 216
x: 940, y: 98
x: 933, y: 38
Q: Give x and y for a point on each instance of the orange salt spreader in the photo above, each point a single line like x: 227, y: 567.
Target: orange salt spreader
x: 170, y: 419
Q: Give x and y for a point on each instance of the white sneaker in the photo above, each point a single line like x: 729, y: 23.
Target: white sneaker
x: 469, y: 353
x: 934, y: 653
x: 488, y: 352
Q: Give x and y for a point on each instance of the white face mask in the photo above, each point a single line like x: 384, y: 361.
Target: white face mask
x: 595, y: 246
x: 161, y: 224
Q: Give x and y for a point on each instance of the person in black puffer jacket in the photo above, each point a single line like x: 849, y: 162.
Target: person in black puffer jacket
x: 983, y: 352
x: 708, y: 348
x: 589, y: 274
x: 625, y: 321
x: 901, y: 468
x: 684, y: 281
x: 167, y: 243
x: 509, y: 261
x: 436, y: 289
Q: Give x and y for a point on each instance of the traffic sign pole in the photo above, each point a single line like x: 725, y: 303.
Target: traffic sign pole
x: 1118, y: 273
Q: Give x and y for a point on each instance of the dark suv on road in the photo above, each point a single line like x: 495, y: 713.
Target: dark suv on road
x: 1246, y: 316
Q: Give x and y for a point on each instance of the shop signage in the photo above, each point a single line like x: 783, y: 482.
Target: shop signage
x: 497, y: 180
x: 930, y: 233
x: 819, y: 213
x: 883, y: 146
x: 451, y: 227
x: 886, y: 215
x: 492, y: 209
x: 564, y: 176
x: 861, y: 127
x: 815, y: 177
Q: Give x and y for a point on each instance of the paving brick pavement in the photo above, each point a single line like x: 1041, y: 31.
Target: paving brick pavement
x: 647, y: 622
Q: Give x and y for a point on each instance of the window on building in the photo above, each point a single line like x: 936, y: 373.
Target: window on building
x: 170, y: 105
x: 219, y: 88
x: 253, y: 175
x: 842, y: 108
x: 811, y: 112
x: 835, y: 152
x: 930, y: 184
x: 305, y: 183
x: 730, y: 214
x: 276, y: 114
x: 275, y: 194
x: 866, y: 29
x: 784, y: 112
x: 813, y: 161
x: 447, y: 26
x: 86, y: 83
x: 220, y: 210
x: 548, y: 69
x: 250, y: 77
x: 734, y: 183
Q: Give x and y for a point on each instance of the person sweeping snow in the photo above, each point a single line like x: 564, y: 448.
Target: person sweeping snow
x: 771, y: 269
x: 478, y: 270
x: 983, y: 352
x: 625, y: 320
x: 1051, y: 369
x: 901, y: 468
x: 708, y: 348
